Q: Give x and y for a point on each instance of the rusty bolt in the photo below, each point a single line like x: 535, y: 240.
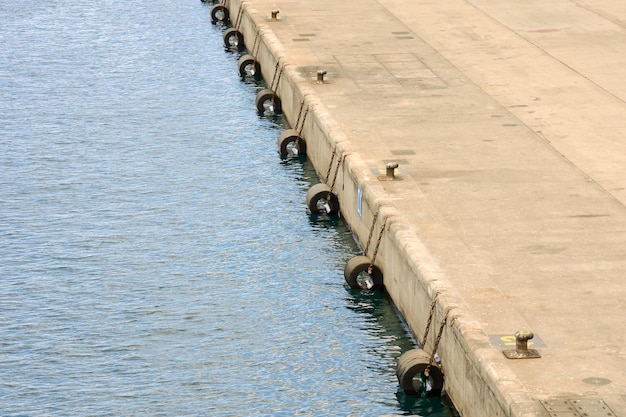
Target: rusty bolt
x: 275, y: 14
x: 320, y: 76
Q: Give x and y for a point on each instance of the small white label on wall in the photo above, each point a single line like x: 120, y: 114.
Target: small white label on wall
x: 359, y: 202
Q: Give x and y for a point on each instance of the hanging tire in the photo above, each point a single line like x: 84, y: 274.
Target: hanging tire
x: 410, y: 370
x: 268, y: 101
x: 357, y: 277
x: 248, y: 66
x: 233, y: 39
x: 291, y: 144
x: 219, y: 13
x: 320, y: 200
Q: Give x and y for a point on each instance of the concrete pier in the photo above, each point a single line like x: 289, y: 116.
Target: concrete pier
x: 508, y: 122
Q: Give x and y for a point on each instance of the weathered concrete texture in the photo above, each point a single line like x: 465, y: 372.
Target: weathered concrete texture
x: 508, y: 120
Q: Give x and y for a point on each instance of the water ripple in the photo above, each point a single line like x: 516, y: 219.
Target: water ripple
x: 157, y: 254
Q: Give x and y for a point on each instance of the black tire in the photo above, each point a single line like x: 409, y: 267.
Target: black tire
x: 356, y: 269
x: 266, y: 99
x: 219, y: 13
x: 248, y: 66
x: 291, y: 144
x: 412, y: 364
x: 321, y: 193
x: 233, y: 39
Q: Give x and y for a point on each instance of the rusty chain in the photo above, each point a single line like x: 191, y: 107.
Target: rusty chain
x: 239, y: 17
x: 299, y: 115
x: 369, y: 237
x: 430, y: 319
x: 330, y: 165
x: 437, y: 340
x: 257, y: 38
x: 332, y: 185
x: 306, y: 112
x: 380, y: 238
x: 276, y: 77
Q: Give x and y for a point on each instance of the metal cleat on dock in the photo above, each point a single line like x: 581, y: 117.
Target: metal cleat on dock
x: 521, y: 350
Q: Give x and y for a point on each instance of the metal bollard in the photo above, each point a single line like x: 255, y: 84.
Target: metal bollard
x: 521, y: 340
x: 391, y: 168
x: 521, y: 350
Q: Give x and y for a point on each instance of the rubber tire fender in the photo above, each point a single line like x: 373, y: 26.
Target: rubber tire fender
x: 318, y: 192
x: 360, y: 264
x: 288, y: 136
x: 412, y: 363
x: 265, y: 95
x: 219, y: 8
x: 232, y: 32
x: 246, y: 60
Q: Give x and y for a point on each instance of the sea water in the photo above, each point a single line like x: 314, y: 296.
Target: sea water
x: 156, y: 255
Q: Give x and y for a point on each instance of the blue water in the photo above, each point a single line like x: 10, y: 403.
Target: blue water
x: 156, y: 256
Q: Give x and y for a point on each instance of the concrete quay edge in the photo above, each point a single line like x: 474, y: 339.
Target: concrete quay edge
x: 478, y: 380
x: 500, y: 393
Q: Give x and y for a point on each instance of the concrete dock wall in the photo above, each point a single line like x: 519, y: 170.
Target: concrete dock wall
x: 411, y: 276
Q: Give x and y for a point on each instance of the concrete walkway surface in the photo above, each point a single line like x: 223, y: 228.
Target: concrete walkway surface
x: 508, y: 121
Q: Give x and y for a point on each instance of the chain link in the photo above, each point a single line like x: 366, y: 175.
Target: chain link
x: 430, y: 319
x: 299, y: 115
x: 330, y: 165
x: 437, y: 340
x: 277, y: 75
x: 239, y: 17
x: 380, y: 238
x: 369, y: 238
x: 256, y: 44
x: 306, y: 112
x: 332, y: 185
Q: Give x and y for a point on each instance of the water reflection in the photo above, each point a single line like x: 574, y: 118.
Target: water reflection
x: 158, y: 257
x: 374, y: 311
